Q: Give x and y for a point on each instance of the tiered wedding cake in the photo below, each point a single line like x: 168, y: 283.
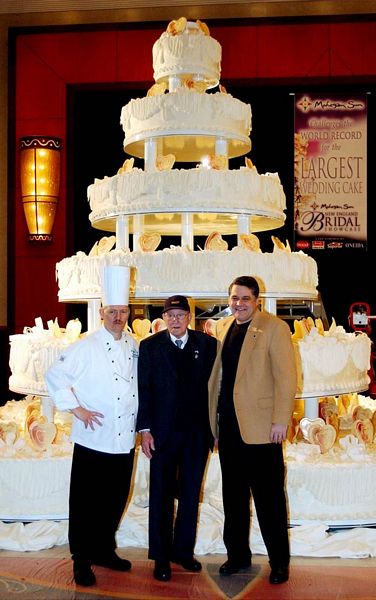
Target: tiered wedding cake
x: 180, y: 121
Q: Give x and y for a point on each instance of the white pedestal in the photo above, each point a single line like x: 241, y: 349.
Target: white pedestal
x: 47, y: 408
x: 311, y: 408
x: 93, y: 316
x: 187, y: 230
x: 122, y: 232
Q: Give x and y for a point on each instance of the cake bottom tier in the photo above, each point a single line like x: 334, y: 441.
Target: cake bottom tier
x: 336, y: 494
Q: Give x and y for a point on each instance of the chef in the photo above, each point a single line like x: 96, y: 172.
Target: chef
x: 96, y: 380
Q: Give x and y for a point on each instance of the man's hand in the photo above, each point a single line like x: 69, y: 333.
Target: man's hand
x: 89, y: 417
x: 278, y: 433
x: 147, y: 443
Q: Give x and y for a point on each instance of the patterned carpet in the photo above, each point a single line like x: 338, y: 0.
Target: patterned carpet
x: 45, y: 576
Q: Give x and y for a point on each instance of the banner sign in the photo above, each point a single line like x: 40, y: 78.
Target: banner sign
x: 330, y: 172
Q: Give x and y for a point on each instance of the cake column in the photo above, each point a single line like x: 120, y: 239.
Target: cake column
x: 270, y: 305
x: 138, y: 229
x: 221, y: 148
x: 243, y: 226
x: 122, y: 232
x: 187, y: 230
x: 174, y: 82
x: 93, y: 317
x: 150, y: 154
x: 311, y: 408
x: 47, y: 408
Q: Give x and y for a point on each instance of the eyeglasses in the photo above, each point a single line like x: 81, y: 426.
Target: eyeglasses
x: 178, y: 317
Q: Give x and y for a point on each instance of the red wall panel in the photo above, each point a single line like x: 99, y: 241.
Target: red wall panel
x: 135, y: 62
x: 239, y: 51
x: 293, y: 51
x: 40, y: 91
x: 353, y: 49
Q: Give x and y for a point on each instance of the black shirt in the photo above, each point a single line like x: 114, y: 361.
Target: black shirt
x: 230, y: 358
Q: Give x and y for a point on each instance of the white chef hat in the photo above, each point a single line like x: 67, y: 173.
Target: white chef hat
x: 115, y: 285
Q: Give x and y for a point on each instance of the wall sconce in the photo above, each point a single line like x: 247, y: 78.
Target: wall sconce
x: 40, y: 183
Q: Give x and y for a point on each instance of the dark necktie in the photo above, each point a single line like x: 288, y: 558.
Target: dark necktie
x: 179, y: 343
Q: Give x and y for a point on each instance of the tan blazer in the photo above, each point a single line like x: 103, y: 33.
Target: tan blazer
x: 265, y: 383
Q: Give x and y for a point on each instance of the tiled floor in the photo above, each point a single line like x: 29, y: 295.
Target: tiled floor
x: 47, y: 575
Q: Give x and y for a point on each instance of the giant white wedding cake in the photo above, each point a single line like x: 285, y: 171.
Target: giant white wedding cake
x: 180, y: 120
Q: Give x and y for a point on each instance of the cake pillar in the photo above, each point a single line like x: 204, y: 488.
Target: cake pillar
x: 221, y: 148
x: 150, y: 155
x: 270, y: 305
x: 187, y: 230
x: 311, y: 408
x: 174, y: 83
x: 122, y: 232
x: 138, y: 228
x: 47, y: 408
x: 243, y: 226
x: 93, y: 316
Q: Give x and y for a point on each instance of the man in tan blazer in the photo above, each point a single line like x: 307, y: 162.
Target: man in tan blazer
x: 251, y: 395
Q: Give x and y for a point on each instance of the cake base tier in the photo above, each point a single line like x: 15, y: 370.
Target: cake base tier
x: 168, y: 223
x: 338, y: 495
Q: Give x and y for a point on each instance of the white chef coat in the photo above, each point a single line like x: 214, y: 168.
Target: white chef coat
x: 99, y: 373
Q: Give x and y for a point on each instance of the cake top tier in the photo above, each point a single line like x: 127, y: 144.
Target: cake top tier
x: 186, y: 51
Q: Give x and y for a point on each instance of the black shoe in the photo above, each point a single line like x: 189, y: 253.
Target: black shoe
x: 279, y: 575
x: 162, y: 570
x: 230, y: 567
x: 82, y: 574
x: 189, y: 564
x: 113, y: 561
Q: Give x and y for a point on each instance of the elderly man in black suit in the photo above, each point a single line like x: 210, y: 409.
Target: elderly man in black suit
x: 174, y: 368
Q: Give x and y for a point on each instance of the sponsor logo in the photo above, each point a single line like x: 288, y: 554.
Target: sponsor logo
x: 302, y: 244
x: 335, y: 245
x: 355, y: 245
x: 318, y: 245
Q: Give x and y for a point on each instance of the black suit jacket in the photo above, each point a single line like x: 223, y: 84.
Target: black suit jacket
x: 158, y: 382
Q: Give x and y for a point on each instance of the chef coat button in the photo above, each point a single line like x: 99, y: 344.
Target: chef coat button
x: 133, y: 395
x: 112, y: 361
x: 119, y: 417
x: 118, y: 398
x: 116, y: 379
x: 119, y: 433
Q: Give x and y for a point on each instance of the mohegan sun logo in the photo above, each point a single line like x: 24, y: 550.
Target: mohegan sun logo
x: 306, y: 104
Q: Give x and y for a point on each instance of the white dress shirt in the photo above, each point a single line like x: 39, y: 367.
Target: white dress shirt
x: 99, y: 373
x: 183, y: 339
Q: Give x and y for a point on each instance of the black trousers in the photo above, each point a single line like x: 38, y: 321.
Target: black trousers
x: 99, y: 489
x: 176, y: 469
x: 256, y: 469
